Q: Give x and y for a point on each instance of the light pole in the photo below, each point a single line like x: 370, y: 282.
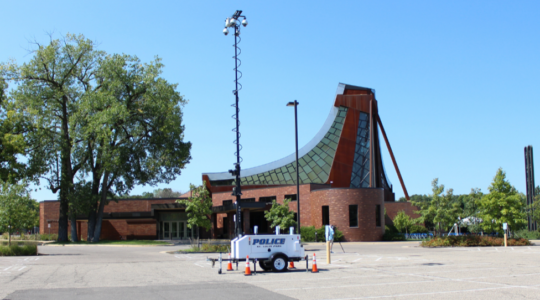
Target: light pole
x: 295, y: 104
x: 234, y: 22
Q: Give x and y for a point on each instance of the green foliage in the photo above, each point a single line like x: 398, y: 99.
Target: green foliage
x: 441, y: 210
x: 49, y: 237
x: 526, y: 234
x: 403, y: 222
x: 207, y: 248
x: 472, y: 241
x: 280, y: 215
x: 111, y: 118
x: 17, y: 209
x: 16, y: 250
x: 198, y: 207
x: 503, y: 204
x: 391, y: 234
x: 308, y: 234
x: 418, y: 229
x: 166, y: 193
x: 534, y: 209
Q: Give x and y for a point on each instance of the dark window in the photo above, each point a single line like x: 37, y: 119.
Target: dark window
x: 267, y: 199
x: 226, y: 226
x: 325, y: 215
x: 353, y: 215
x: 227, y: 202
x: 247, y: 200
x: 292, y: 197
x: 378, y: 216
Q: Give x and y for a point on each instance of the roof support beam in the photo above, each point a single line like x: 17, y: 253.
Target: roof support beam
x: 393, y: 158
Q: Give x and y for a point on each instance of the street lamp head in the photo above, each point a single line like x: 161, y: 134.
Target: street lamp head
x: 293, y: 103
x: 225, y: 31
x: 232, y: 22
x: 244, y: 22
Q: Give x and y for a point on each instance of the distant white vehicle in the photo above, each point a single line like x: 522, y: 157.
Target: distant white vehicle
x: 471, y: 220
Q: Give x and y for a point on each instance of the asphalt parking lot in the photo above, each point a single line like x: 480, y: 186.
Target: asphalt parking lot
x: 394, y: 270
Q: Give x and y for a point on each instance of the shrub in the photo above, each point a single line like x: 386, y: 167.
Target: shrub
x: 472, y: 241
x: 5, y: 235
x: 418, y: 229
x: 308, y: 234
x: 531, y: 235
x: 209, y: 248
x: 392, y: 236
x: 16, y: 250
x: 49, y: 237
x: 390, y: 228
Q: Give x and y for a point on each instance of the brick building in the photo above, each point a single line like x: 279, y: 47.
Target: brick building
x: 342, y: 176
x: 342, y: 182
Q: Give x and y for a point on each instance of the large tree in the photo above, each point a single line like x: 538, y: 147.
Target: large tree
x: 49, y: 91
x: 133, y: 131
x: 503, y: 204
x: 109, y: 118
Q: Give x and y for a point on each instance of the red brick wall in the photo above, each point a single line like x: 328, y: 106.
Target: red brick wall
x: 111, y: 229
x: 279, y: 192
x: 392, y: 208
x: 339, y: 200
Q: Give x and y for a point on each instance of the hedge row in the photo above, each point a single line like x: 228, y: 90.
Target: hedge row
x: 16, y: 250
x: 472, y: 241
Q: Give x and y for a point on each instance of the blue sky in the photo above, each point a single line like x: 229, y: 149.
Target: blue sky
x: 457, y: 81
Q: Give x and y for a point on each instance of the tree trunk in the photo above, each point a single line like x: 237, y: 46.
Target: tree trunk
x: 91, y: 223
x: 102, y: 202
x: 73, y: 219
x: 66, y: 178
x: 9, y: 238
x: 63, y: 222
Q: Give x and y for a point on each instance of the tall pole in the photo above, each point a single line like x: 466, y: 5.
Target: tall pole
x: 297, y: 170
x: 234, y: 23
x: 237, y: 178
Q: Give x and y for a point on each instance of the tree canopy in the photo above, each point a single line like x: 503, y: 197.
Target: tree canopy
x: 280, y: 215
x: 109, y: 118
x: 503, y: 204
x: 198, y: 207
x: 17, y: 209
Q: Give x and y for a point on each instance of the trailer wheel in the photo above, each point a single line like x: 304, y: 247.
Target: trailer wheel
x: 264, y: 265
x: 279, y: 263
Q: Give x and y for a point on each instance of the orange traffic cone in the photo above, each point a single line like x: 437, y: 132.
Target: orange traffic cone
x: 248, y: 269
x: 291, y: 265
x: 314, y: 266
x: 229, y: 265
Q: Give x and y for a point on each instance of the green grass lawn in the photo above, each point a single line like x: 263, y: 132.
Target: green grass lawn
x: 112, y: 243
x: 207, y: 248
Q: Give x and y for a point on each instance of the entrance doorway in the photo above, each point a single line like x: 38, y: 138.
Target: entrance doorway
x: 176, y: 230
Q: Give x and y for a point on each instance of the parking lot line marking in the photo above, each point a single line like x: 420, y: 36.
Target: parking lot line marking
x: 378, y: 259
x: 8, y: 268
x: 357, y: 259
x: 318, y: 278
x: 421, y: 294
x: 21, y: 268
x: 358, y: 285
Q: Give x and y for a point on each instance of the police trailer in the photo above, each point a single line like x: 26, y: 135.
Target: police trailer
x: 272, y: 252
